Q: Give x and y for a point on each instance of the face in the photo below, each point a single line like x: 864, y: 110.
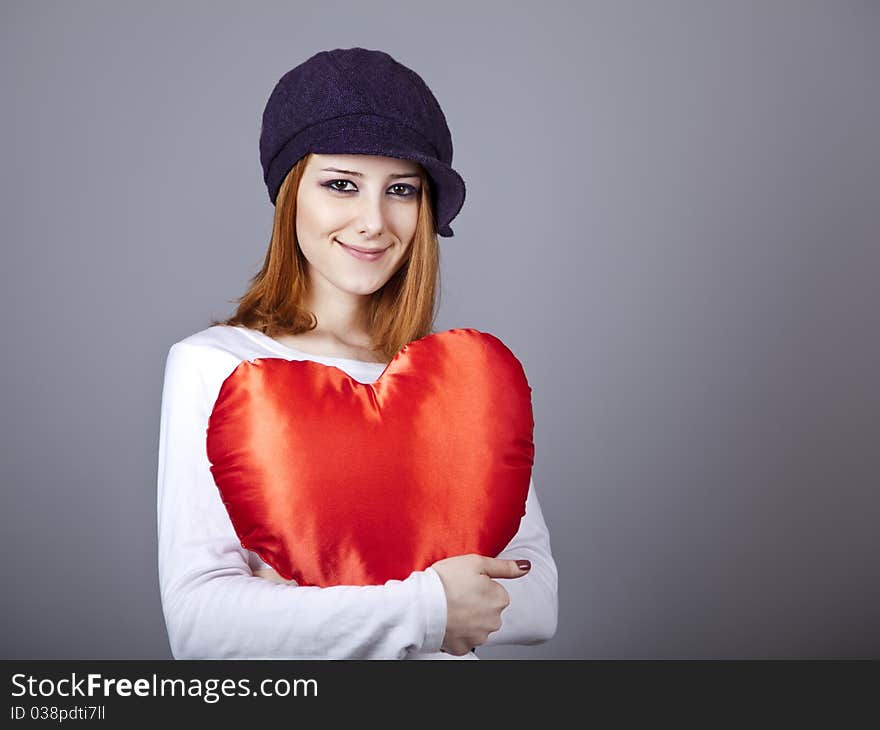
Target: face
x: 352, y: 203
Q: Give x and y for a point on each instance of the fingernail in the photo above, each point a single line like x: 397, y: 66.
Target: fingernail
x: 523, y: 565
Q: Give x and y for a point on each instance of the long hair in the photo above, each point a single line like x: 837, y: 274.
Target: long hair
x: 401, y: 311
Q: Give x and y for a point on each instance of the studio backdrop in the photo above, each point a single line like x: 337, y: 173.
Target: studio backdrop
x: 671, y: 219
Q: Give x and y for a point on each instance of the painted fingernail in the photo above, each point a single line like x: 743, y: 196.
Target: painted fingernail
x: 524, y: 565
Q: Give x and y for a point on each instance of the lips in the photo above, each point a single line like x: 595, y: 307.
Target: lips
x: 368, y: 255
x: 361, y: 250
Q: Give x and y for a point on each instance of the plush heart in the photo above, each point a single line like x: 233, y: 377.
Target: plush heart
x: 336, y: 482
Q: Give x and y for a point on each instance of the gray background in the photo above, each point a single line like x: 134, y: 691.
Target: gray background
x: 672, y: 219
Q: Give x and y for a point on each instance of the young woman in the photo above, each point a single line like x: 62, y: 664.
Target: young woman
x: 356, y: 155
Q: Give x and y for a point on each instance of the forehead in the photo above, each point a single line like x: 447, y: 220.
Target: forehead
x: 367, y: 164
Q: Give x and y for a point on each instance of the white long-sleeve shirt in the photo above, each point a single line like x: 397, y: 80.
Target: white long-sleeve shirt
x: 214, y: 605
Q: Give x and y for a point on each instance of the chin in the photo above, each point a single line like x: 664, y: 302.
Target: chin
x: 363, y: 288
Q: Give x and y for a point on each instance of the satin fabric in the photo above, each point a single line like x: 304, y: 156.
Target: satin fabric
x: 336, y: 482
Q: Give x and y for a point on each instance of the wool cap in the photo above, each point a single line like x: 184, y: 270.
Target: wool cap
x: 360, y: 101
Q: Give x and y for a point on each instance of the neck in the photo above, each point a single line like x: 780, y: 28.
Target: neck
x: 341, y: 316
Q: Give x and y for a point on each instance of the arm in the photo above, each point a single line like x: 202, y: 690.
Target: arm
x: 531, y: 617
x: 215, y: 608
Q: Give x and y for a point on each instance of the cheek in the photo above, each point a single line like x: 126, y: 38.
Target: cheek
x: 404, y: 220
x: 313, y: 231
x: 307, y: 217
x: 316, y: 213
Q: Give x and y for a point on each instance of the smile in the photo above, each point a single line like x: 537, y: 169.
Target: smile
x: 363, y: 255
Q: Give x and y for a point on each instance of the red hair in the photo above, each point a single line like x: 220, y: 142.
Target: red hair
x: 401, y: 311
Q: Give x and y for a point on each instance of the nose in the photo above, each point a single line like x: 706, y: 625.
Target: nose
x: 370, y: 221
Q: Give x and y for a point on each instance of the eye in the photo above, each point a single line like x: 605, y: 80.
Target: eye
x: 409, y: 190
x: 332, y: 185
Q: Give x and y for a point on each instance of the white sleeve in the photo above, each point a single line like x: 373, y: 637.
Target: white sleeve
x: 531, y: 616
x: 215, y: 608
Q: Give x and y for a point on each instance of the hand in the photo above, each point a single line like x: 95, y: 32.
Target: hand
x: 474, y: 601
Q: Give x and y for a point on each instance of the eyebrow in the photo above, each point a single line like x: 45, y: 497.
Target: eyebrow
x: 393, y: 176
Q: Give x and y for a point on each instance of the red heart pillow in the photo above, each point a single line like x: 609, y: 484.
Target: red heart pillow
x: 336, y: 482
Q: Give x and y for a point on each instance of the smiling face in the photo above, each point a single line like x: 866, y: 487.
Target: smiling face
x: 349, y: 204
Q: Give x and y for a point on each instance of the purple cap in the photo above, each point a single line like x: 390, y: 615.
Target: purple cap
x: 358, y: 101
